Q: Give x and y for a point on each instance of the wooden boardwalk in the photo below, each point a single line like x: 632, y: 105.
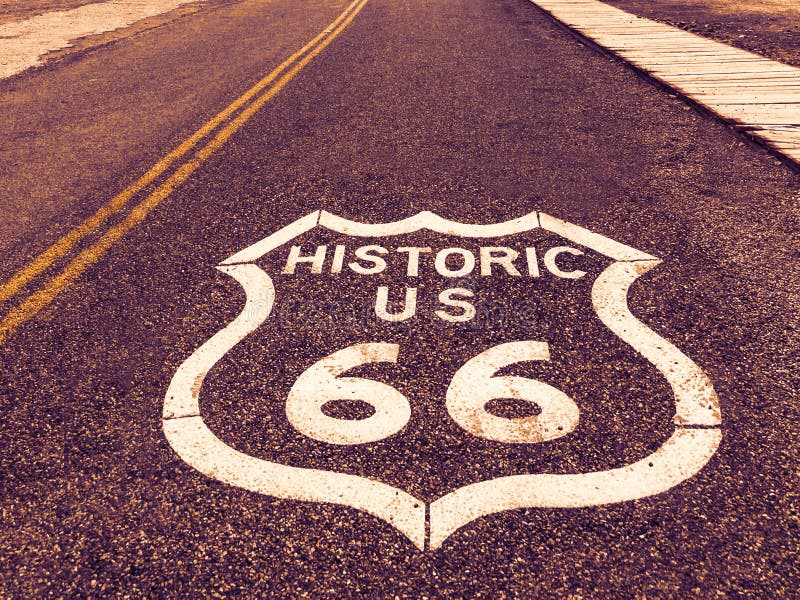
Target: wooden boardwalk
x: 755, y: 94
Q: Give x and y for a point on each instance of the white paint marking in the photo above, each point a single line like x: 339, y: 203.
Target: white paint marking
x: 413, y: 258
x: 466, y: 267
x: 696, y: 402
x: 475, y: 384
x: 551, y: 258
x: 683, y: 455
x: 184, y: 390
x: 382, y: 303
x: 321, y: 383
x: 430, y: 221
x: 433, y: 222
x: 501, y: 256
x: 371, y: 254
x: 297, y: 257
x: 200, y: 448
x: 454, y: 298
x: 595, y: 241
x: 279, y: 238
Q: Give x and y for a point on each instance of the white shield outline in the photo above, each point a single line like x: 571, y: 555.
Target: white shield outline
x: 694, y: 441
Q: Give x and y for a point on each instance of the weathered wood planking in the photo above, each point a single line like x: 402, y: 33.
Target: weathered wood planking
x: 755, y: 94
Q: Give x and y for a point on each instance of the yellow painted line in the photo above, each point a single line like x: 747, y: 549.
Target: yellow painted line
x: 118, y: 202
x: 38, y: 300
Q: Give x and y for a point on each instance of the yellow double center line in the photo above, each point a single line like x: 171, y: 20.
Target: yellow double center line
x: 223, y: 124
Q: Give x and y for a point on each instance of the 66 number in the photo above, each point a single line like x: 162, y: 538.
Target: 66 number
x: 471, y: 388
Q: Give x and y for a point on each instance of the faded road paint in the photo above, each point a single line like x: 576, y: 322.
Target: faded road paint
x: 694, y: 439
x: 24, y: 43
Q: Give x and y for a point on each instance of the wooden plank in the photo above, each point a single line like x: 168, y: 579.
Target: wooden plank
x: 758, y: 95
x: 761, y: 113
x: 711, y: 68
x: 782, y: 135
x: 713, y: 78
x: 749, y: 87
x: 722, y: 100
x: 688, y: 59
x: 675, y: 54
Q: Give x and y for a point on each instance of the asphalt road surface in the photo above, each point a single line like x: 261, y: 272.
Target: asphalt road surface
x: 418, y: 410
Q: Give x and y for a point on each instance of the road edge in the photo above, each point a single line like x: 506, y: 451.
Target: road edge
x: 748, y: 135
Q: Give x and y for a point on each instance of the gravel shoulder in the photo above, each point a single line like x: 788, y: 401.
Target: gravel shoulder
x: 768, y: 27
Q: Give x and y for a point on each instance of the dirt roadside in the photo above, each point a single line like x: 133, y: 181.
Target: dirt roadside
x: 768, y: 27
x: 17, y: 10
x: 80, y: 43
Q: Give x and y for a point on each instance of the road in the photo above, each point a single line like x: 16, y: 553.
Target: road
x: 482, y: 112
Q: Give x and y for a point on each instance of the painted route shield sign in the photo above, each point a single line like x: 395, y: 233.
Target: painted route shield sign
x: 430, y: 372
